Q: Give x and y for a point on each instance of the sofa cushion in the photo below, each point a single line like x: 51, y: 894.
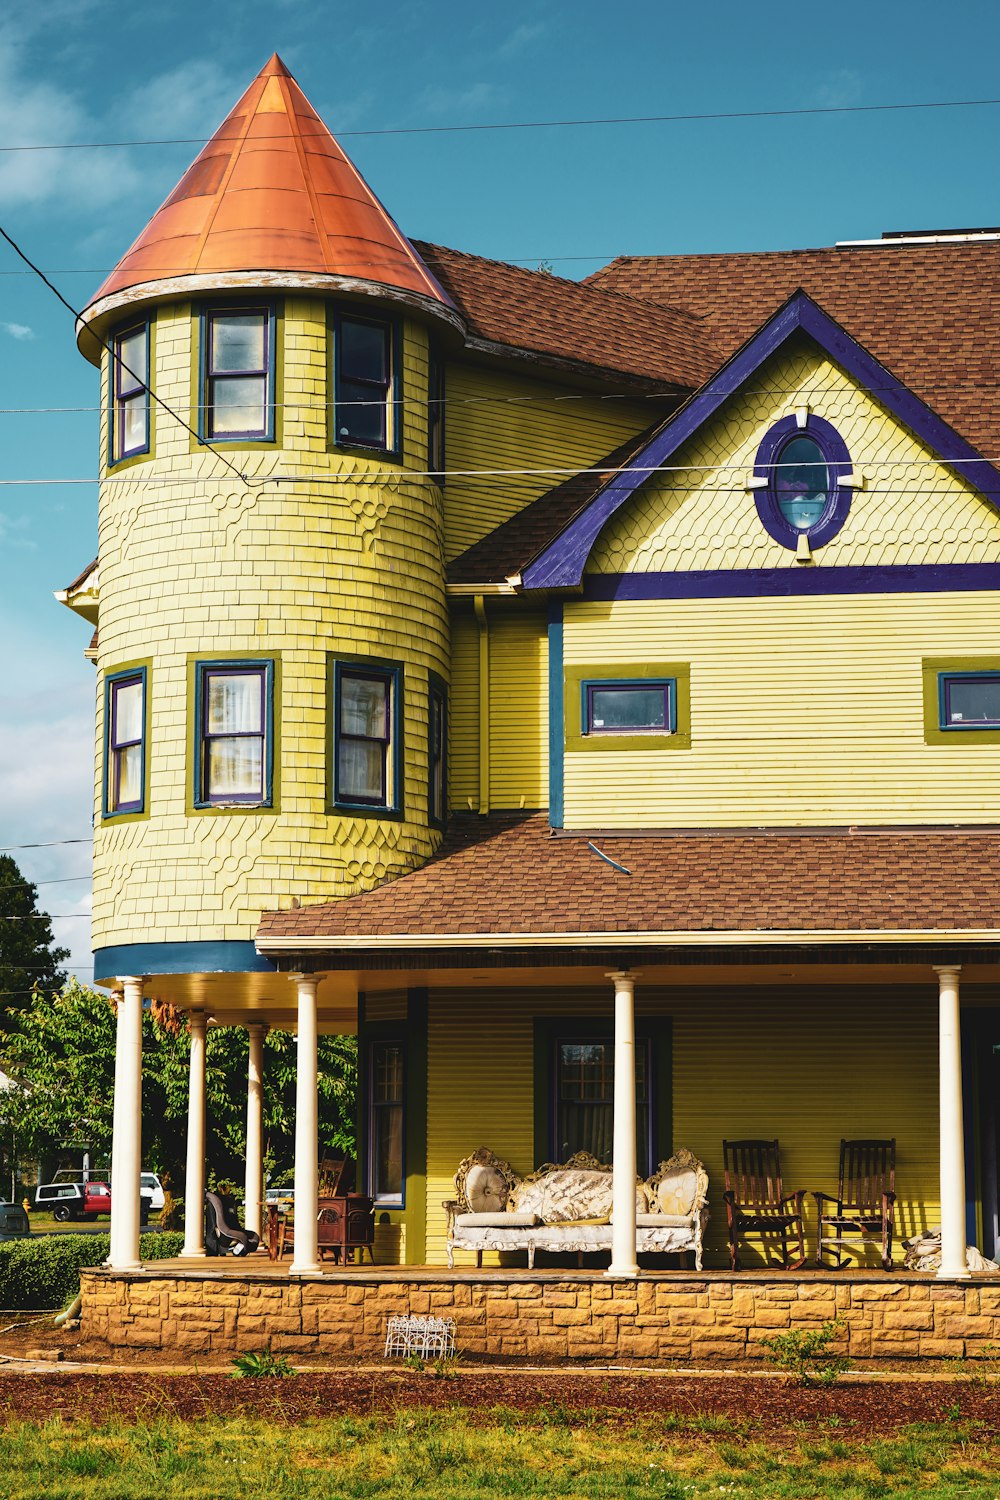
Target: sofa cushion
x: 676, y: 1192
x: 662, y: 1221
x: 496, y: 1221
x: 566, y: 1195
x: 485, y: 1189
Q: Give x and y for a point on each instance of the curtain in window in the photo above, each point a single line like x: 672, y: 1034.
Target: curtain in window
x: 361, y: 766
x: 234, y: 703
x: 235, y: 767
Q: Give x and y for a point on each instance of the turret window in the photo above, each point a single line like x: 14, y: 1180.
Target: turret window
x: 129, y: 393
x: 125, y: 742
x: 238, y: 375
x: 437, y: 751
x: 367, y: 736
x: 364, y: 379
x: 234, y: 716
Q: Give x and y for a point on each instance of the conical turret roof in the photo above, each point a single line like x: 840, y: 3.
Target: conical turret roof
x: 274, y: 192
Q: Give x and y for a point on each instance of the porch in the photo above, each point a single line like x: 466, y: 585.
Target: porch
x: 540, y: 1316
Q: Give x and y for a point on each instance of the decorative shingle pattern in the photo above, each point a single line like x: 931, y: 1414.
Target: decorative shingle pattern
x: 930, y: 313
x: 509, y: 874
x: 546, y: 315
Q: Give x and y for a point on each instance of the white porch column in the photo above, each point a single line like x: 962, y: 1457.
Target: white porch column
x: 952, y: 1151
x: 126, y: 1145
x: 623, y: 1261
x: 194, y: 1179
x: 252, y: 1212
x: 305, y: 1260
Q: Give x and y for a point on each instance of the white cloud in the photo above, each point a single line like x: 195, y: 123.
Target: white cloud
x: 18, y: 330
x: 841, y: 89
x: 12, y: 533
x: 186, y: 102
x: 477, y: 97
x: 521, y: 38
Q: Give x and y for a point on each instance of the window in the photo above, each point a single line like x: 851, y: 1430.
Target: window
x: 363, y: 402
x: 584, y: 1100
x: 125, y: 742
x: 386, y: 1122
x: 969, y: 700
x: 435, y: 417
x: 437, y: 751
x: 238, y: 374
x: 129, y: 393
x: 644, y: 707
x: 233, y: 707
x: 802, y: 480
x: 367, y: 736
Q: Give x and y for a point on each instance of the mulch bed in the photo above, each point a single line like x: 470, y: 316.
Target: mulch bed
x: 863, y: 1408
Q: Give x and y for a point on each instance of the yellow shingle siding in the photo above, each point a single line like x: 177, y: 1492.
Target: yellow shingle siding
x: 807, y: 1065
x: 204, y: 565
x: 498, y: 421
x: 912, y: 509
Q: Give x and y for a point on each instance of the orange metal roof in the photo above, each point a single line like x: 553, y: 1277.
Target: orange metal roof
x: 273, y: 191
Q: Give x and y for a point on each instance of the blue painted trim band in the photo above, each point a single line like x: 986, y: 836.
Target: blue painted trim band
x: 556, y: 733
x: 561, y: 564
x: 888, y: 578
x: 180, y: 958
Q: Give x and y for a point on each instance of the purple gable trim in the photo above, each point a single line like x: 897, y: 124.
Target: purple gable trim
x: 562, y: 562
x: 888, y: 578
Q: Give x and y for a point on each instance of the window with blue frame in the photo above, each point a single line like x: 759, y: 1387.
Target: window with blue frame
x: 639, y: 707
x: 437, y: 751
x: 367, y: 736
x: 130, y: 392
x: 364, y: 380
x: 435, y: 416
x: 234, y: 710
x: 125, y: 742
x: 237, y: 398
x: 802, y: 480
x: 968, y: 700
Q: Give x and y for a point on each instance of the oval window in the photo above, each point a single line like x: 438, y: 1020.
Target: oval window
x: 802, y: 483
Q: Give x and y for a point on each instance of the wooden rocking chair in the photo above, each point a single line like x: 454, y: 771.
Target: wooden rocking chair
x: 755, y: 1202
x: 865, y: 1202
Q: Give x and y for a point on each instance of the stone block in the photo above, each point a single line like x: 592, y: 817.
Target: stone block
x: 559, y: 1298
x: 933, y: 1347
x: 568, y: 1317
x: 963, y: 1326
x: 912, y: 1316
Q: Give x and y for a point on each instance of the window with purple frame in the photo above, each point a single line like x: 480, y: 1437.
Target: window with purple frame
x: 363, y: 378
x: 644, y: 706
x: 234, y: 733
x: 129, y: 393
x: 125, y: 743
x: 238, y: 374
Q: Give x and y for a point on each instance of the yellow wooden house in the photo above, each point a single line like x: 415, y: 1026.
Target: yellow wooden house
x: 587, y: 692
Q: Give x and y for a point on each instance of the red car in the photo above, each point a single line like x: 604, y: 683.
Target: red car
x: 74, y: 1200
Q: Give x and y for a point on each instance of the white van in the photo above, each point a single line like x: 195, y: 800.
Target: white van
x: 151, y: 1186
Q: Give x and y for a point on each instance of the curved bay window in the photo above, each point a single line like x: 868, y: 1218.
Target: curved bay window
x: 802, y: 481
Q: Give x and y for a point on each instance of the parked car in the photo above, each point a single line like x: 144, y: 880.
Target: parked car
x: 67, y: 1201
x: 281, y: 1198
x: 13, y: 1222
x: 152, y: 1187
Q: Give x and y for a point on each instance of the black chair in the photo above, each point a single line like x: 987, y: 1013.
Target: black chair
x: 223, y: 1235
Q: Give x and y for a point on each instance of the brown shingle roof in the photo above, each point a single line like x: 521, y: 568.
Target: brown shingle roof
x: 930, y: 313
x: 503, y: 553
x: 568, y: 321
x: 508, y: 874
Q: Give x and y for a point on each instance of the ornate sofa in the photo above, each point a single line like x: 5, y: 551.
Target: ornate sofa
x: 568, y: 1207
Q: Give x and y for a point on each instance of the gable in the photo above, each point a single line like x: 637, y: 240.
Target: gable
x: 700, y: 514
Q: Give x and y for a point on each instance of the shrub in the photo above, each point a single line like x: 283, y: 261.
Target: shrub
x: 806, y: 1354
x: 250, y: 1366
x: 45, y: 1271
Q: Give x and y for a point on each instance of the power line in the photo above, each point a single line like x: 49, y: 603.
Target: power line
x: 15, y: 885
x: 563, y: 124
x: 107, y: 346
x: 52, y: 844
x: 49, y: 916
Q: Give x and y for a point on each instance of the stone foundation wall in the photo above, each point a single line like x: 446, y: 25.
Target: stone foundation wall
x: 553, y: 1317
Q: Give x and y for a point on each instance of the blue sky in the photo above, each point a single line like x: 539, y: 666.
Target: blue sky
x: 94, y: 70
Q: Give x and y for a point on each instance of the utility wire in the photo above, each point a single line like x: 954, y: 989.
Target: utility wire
x: 105, y: 344
x: 564, y: 124
x: 52, y: 844
x: 15, y: 885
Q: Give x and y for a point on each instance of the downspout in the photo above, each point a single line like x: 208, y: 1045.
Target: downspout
x: 479, y: 604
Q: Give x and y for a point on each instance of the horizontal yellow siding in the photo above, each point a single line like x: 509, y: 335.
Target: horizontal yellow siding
x: 463, y: 711
x: 911, y: 509
x: 804, y: 711
x: 519, y: 708
x: 498, y: 421
x: 808, y: 1065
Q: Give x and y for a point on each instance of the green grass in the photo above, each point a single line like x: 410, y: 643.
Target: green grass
x: 457, y: 1455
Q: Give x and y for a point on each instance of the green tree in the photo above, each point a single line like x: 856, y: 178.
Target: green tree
x: 60, y: 1052
x: 28, y: 956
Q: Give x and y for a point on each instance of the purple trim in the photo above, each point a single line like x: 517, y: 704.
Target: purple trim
x: 562, y: 563
x: 838, y: 462
x: 749, y: 583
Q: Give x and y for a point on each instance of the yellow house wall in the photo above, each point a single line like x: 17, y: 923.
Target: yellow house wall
x: 910, y: 510
x: 506, y: 421
x: 804, y: 711
x: 200, y: 564
x: 806, y: 1065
